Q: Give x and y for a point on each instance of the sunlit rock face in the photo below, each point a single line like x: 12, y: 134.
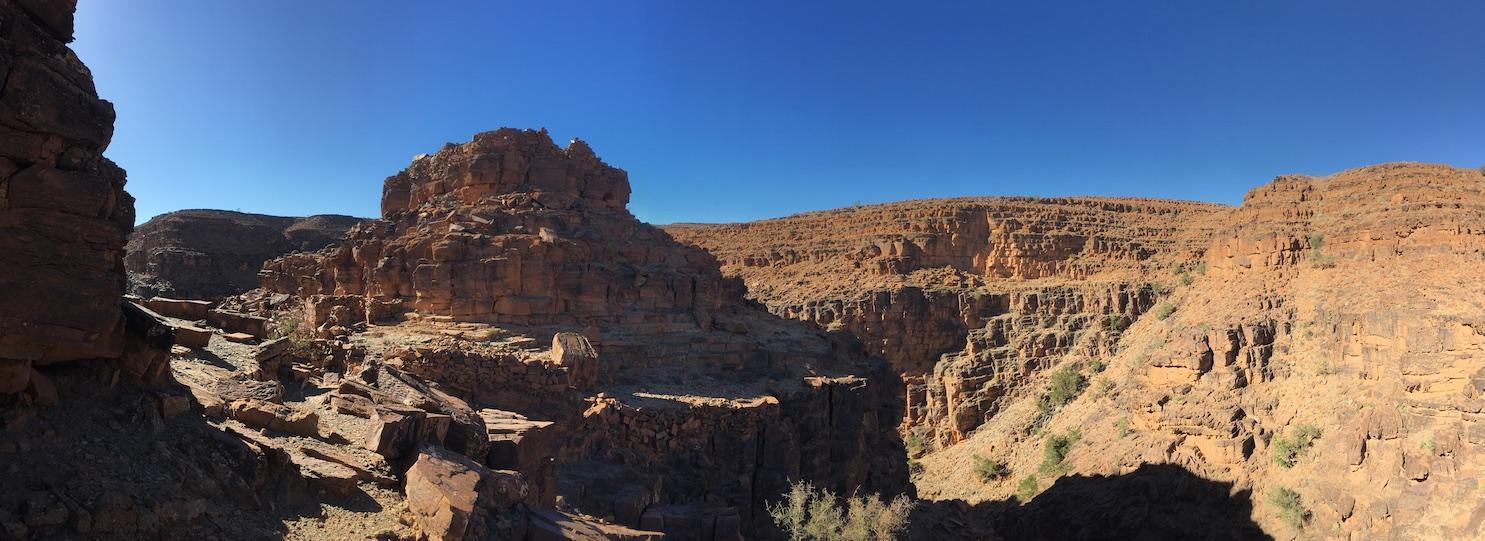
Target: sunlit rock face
x: 968, y: 298
x: 1315, y: 348
x: 677, y: 403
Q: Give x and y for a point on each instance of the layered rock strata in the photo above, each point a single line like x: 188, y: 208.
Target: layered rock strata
x: 673, y: 401
x: 64, y: 214
x: 966, y: 297
x: 1325, y: 363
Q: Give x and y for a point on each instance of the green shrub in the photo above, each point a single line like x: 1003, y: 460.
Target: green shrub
x: 989, y: 469
x: 290, y: 324
x: 1185, y: 279
x: 1117, y: 322
x: 1201, y: 268
x: 1291, y: 507
x: 808, y: 513
x: 1287, y: 450
x: 1026, y: 489
x: 1054, y: 452
x: 1066, y: 385
x: 1164, y: 311
x: 1124, y: 427
x: 1097, y: 365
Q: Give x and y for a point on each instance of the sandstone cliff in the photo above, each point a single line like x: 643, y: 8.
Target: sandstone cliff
x: 1313, y: 350
x: 966, y: 297
x: 210, y: 254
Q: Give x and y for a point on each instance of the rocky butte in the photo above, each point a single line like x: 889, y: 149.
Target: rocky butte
x: 674, y: 404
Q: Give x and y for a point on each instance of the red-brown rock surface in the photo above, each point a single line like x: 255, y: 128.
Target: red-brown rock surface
x: 658, y: 383
x: 210, y: 254
x: 1310, y: 357
x: 64, y: 214
x: 966, y: 297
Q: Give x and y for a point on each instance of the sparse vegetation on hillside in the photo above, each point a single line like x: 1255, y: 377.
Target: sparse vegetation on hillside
x: 1288, y: 450
x: 1291, y: 507
x: 1055, y: 452
x: 1097, y: 365
x: 1066, y: 385
x: 1026, y: 489
x: 1164, y: 310
x: 1201, y: 268
x: 989, y: 469
x: 1117, y: 322
x: 814, y: 514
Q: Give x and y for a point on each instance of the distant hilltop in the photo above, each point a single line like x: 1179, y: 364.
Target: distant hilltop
x: 208, y: 254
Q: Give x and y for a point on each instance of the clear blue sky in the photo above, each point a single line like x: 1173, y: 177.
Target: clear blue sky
x: 725, y: 111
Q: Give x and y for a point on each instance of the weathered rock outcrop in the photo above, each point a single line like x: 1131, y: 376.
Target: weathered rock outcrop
x: 966, y: 297
x: 670, y: 401
x: 210, y: 254
x: 1315, y: 347
x: 64, y: 213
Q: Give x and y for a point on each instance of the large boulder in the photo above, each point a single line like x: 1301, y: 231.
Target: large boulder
x: 451, y: 497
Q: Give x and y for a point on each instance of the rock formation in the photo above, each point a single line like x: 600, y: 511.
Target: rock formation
x: 210, y: 254
x: 64, y: 213
x: 1313, y: 347
x: 966, y: 297
x: 507, y: 244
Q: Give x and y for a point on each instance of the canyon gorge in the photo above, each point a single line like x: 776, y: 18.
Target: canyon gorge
x: 507, y: 352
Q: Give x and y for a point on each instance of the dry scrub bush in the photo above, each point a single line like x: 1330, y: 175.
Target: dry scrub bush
x: 1164, y: 311
x: 1056, y: 451
x: 813, y: 514
x: 1291, y: 507
x: 989, y: 469
x: 1287, y: 450
x: 290, y: 324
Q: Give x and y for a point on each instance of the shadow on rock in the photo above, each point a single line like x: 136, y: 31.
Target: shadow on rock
x: 1154, y: 502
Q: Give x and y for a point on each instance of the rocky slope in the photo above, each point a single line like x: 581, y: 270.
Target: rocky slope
x: 1313, y: 350
x: 675, y: 405
x: 966, y: 297
x: 210, y: 254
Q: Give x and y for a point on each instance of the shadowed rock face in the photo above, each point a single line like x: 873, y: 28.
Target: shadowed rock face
x: 209, y: 254
x: 1152, y: 502
x: 64, y: 214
